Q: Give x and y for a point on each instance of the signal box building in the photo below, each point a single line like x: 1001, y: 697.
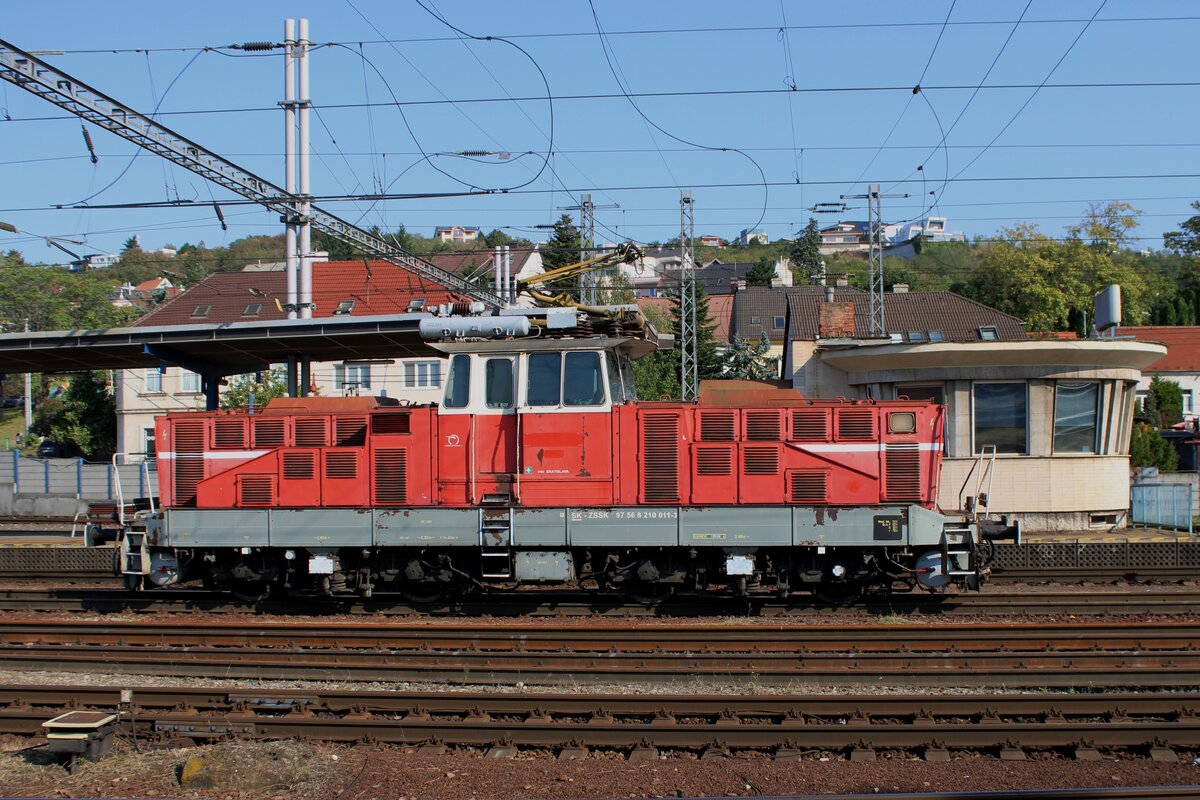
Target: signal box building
x: 1040, y: 426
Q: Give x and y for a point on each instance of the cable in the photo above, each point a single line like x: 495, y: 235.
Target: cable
x: 605, y: 49
x: 139, y: 151
x: 790, y: 81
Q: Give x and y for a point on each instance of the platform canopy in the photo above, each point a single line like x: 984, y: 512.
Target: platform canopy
x: 222, y: 349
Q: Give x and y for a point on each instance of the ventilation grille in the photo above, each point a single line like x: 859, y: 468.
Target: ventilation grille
x: 350, y: 431
x: 809, y: 486
x: 229, y: 433
x: 189, y: 461
x: 810, y: 426
x: 903, y: 464
x: 714, y: 461
x: 760, y: 460
x: 717, y: 426
x: 256, y: 490
x: 391, y: 423
x: 341, y: 465
x: 391, y: 476
x: 660, y: 457
x: 310, y: 432
x: 764, y: 426
x: 269, y: 432
x: 299, y: 466
x: 856, y: 425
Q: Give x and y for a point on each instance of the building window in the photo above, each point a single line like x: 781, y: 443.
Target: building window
x: 201, y: 311
x: 779, y: 323
x: 755, y: 320
x: 189, y: 381
x: 1075, y: 406
x: 422, y: 374
x: 988, y: 333
x: 252, y: 309
x: 1002, y: 417
x: 916, y: 336
x: 153, y: 381
x: 1189, y: 407
x: 148, y: 442
x: 937, y: 336
x: 458, y: 387
x: 933, y: 392
x: 351, y: 377
x: 498, y: 383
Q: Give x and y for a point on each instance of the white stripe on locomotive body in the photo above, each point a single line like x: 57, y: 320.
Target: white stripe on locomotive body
x: 215, y: 455
x: 859, y: 448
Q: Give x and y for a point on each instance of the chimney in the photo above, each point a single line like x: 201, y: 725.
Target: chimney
x: 843, y: 283
x: 740, y: 283
x: 776, y: 282
x: 829, y: 290
x: 835, y: 320
x: 900, y: 288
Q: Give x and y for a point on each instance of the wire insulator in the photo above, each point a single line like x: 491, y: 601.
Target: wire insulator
x: 87, y: 139
x: 220, y: 217
x: 252, y: 47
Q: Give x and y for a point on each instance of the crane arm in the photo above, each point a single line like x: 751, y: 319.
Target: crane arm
x: 625, y: 253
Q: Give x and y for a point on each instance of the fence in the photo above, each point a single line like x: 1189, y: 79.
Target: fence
x: 74, y: 476
x: 1162, y: 505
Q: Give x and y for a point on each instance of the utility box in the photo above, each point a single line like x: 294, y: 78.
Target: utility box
x: 81, y: 733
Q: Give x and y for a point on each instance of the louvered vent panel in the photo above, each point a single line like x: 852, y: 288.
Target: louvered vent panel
x: 760, y: 460
x: 350, y: 431
x: 310, y: 432
x: 809, y: 486
x: 392, y: 423
x: 256, y: 490
x: 856, y: 425
x: 660, y: 457
x: 189, y: 461
x: 903, y: 464
x: 341, y: 465
x: 764, y: 426
x: 810, y: 426
x: 391, y: 476
x: 299, y: 466
x: 229, y: 433
x: 269, y: 432
x: 717, y: 426
x: 714, y: 461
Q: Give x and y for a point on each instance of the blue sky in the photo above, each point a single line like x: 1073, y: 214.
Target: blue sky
x: 812, y: 146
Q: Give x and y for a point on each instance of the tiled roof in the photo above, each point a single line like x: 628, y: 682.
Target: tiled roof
x: 720, y: 311
x: 376, y: 287
x: 957, y: 318
x: 1182, y: 341
x: 460, y: 263
x: 763, y: 304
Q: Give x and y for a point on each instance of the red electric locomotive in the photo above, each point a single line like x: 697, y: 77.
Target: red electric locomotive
x: 540, y: 465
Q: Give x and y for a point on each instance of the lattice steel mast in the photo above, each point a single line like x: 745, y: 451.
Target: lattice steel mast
x: 70, y: 94
x: 874, y: 199
x: 688, y: 355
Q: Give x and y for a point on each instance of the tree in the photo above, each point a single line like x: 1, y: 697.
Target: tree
x: 84, y: 417
x: 747, y: 360
x: 563, y: 246
x: 497, y: 238
x: 1148, y: 449
x: 1107, y: 226
x: 657, y: 375
x: 1164, y: 402
x: 265, y: 387
x: 805, y: 254
x: 1187, y: 239
x: 762, y: 273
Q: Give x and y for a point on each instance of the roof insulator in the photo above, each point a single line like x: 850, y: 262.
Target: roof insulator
x: 251, y: 47
x: 87, y: 139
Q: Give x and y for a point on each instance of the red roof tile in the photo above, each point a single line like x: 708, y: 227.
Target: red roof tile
x: 720, y: 311
x: 1182, y: 341
x: 376, y: 287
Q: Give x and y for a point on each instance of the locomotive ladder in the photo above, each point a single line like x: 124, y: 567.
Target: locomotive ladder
x: 495, y: 540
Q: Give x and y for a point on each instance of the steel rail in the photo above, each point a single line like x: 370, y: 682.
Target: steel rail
x: 579, y: 639
x: 557, y: 604
x: 783, y: 725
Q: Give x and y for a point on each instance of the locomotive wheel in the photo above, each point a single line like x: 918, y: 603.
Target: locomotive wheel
x: 251, y: 591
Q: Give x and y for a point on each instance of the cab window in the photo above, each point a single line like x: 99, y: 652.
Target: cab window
x: 498, y: 384
x: 544, y: 378
x: 458, y: 385
x: 583, y: 383
x: 614, y: 377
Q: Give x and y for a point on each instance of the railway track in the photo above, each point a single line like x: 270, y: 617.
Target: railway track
x: 1099, y: 655
x: 784, y: 726
x: 993, y: 601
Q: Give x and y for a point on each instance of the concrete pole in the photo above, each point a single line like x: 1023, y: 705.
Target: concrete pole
x: 507, y: 293
x: 28, y: 395
x: 291, y: 260
x: 305, y: 190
